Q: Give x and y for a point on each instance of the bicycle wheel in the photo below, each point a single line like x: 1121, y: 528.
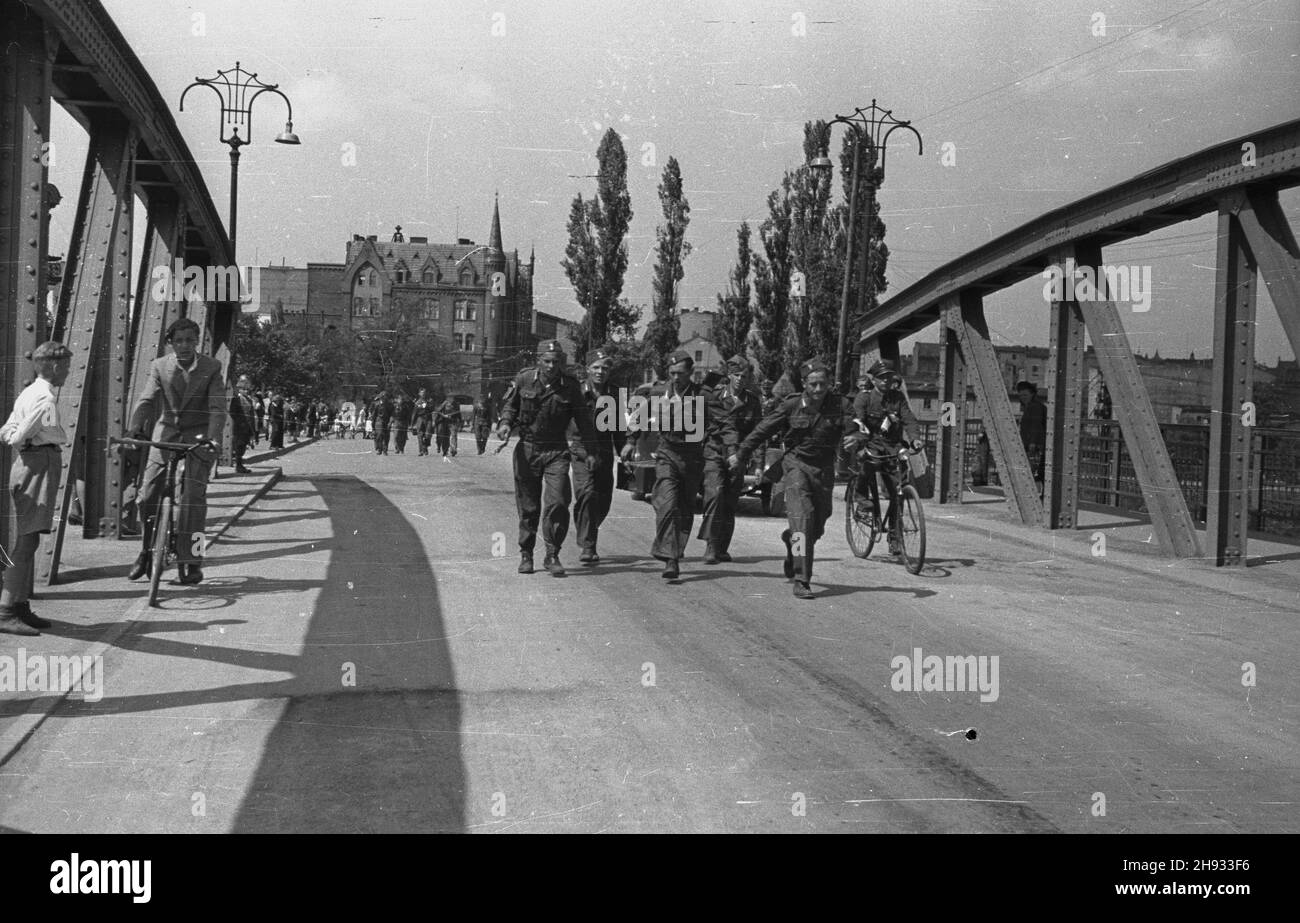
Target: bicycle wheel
x: 861, y: 527
x: 911, y: 529
x: 162, y: 536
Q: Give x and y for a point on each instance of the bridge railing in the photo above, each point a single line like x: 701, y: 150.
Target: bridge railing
x: 1107, y: 477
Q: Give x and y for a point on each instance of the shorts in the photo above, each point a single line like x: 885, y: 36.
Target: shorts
x: 34, y: 488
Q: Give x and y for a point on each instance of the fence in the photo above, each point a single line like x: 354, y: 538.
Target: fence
x: 1107, y: 478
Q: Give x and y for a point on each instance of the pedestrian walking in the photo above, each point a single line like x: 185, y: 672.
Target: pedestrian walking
x: 402, y: 410
x: 446, y: 423
x: 541, y: 403
x: 593, y: 475
x: 481, y: 423
x: 381, y: 412
x: 422, y: 420
x: 679, y: 460
x: 815, y: 423
x: 275, y: 416
x: 733, y: 410
x: 36, y: 433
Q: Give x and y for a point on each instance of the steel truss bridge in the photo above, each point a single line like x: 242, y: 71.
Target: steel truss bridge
x: 1239, y: 181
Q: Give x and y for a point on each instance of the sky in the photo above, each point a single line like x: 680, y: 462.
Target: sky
x: 416, y: 113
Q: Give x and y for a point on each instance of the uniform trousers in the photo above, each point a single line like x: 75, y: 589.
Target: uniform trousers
x: 537, y: 467
x: 381, y: 438
x: 722, y: 490
x: 593, y: 492
x: 677, y: 482
x: 399, y: 438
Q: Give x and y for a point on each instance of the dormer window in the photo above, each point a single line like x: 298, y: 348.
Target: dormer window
x: 467, y: 276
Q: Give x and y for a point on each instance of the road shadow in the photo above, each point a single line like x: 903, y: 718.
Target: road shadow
x: 369, y: 736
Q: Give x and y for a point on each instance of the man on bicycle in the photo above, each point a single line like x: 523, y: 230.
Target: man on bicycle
x: 883, y: 409
x: 186, y: 394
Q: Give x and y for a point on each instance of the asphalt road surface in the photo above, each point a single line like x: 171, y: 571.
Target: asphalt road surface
x: 363, y: 657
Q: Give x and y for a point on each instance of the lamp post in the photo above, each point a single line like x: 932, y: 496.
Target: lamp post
x: 875, y: 125
x: 238, y: 89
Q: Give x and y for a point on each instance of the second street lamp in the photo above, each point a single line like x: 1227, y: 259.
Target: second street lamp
x: 238, y: 89
x: 874, y: 125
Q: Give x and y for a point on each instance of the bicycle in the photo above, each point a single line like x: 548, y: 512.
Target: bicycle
x: 164, y: 533
x: 904, y: 520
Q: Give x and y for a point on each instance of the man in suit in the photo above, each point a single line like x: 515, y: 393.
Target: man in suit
x: 242, y: 421
x: 185, y: 393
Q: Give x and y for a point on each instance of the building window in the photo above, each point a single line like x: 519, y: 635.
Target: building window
x: 492, y: 312
x: 358, y: 306
x: 374, y: 306
x: 428, y: 277
x: 466, y: 310
x: 699, y: 355
x: 467, y: 276
x: 925, y: 403
x: 429, y: 308
x: 469, y: 342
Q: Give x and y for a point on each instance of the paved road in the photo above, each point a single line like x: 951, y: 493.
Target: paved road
x: 361, y: 660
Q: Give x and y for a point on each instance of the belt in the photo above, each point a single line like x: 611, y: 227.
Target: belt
x: 33, y: 447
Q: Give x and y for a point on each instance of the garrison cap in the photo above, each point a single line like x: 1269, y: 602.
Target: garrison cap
x: 815, y: 364
x: 551, y: 346
x: 600, y: 357
x: 681, y: 356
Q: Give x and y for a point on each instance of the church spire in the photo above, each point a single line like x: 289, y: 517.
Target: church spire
x: 494, y: 240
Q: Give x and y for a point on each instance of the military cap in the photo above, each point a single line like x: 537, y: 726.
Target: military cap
x: 815, y: 364
x: 737, y: 364
x: 883, y: 369
x: 600, y: 357
x: 551, y: 346
x: 681, y: 356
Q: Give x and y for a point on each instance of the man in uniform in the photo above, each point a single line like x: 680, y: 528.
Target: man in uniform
x: 733, y: 409
x: 242, y: 421
x: 679, y: 463
x: 481, y: 423
x: 816, y: 423
x: 275, y: 413
x: 381, y: 411
x: 422, y: 420
x: 185, y: 394
x: 882, y: 395
x: 542, y: 402
x: 446, y: 425
x: 593, y: 478
x: 402, y: 409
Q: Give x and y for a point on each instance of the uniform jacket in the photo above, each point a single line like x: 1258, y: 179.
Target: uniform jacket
x: 543, y: 411
x: 381, y: 411
x: 731, y: 417
x: 811, y: 436
x: 422, y: 412
x: 674, y: 441
x: 607, y: 441
x: 185, y: 412
x: 402, y: 411
x: 871, y: 406
x: 446, y: 417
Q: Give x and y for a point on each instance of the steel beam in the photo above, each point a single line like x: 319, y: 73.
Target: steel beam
x: 950, y: 448
x: 1067, y: 379
x: 24, y: 131
x: 1132, y: 409
x: 91, y: 289
x: 1276, y: 255
x: 1228, y: 483
x: 999, y: 424
x: 163, y: 245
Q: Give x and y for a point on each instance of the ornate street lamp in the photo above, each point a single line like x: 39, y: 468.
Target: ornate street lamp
x: 877, y: 125
x: 238, y: 89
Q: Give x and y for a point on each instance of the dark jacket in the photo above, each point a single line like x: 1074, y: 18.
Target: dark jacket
x: 731, y: 417
x: 242, y: 417
x: 674, y: 440
x: 607, y: 437
x: 543, y: 411
x: 811, y: 436
x: 871, y: 407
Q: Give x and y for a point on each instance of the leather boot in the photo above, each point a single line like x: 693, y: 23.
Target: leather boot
x: 788, y: 566
x: 552, y: 563
x: 11, y: 624
x: 24, y: 612
x: 141, y: 566
x: 525, y: 562
x: 803, y: 581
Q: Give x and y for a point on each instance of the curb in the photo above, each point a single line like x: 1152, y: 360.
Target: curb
x: 1054, y: 542
x: 26, y: 724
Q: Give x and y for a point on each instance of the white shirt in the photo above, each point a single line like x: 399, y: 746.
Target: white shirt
x: 35, y: 417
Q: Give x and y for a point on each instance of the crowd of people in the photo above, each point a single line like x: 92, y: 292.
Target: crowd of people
x: 562, y: 457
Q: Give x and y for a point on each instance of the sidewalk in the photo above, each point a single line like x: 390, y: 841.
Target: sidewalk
x: 1272, y: 574
x: 93, y: 604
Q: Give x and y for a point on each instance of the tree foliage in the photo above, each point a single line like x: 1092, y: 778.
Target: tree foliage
x: 732, y: 321
x: 595, y: 259
x: 671, y: 249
